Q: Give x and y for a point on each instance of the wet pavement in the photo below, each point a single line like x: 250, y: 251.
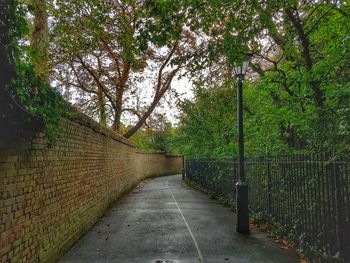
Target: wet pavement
x: 164, y: 221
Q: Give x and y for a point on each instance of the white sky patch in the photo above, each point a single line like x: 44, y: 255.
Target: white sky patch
x: 181, y: 89
x: 184, y: 88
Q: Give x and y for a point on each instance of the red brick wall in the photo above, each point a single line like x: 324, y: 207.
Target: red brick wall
x: 51, y: 195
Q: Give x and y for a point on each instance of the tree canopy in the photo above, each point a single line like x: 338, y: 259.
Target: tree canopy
x: 298, y: 96
x: 101, y: 54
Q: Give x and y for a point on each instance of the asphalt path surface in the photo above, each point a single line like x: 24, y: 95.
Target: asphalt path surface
x: 163, y: 221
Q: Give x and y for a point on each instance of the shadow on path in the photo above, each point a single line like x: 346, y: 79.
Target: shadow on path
x: 163, y: 222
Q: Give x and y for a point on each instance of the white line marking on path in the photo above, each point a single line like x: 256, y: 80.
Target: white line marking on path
x: 200, y: 255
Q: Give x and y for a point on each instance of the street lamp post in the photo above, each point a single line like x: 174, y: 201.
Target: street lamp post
x: 241, y: 187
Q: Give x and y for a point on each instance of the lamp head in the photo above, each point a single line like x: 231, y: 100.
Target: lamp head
x: 241, y: 69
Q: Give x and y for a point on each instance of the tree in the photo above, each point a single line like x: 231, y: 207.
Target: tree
x: 40, y: 38
x: 299, y: 79
x: 301, y: 52
x: 207, y: 125
x: 101, y: 48
x: 23, y: 108
x: 155, y: 134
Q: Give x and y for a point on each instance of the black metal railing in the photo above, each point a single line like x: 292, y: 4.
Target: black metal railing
x: 307, y: 196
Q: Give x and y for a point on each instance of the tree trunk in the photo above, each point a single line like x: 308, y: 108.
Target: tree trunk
x: 40, y: 38
x: 116, y: 123
x: 149, y: 111
x: 118, y: 111
x: 101, y: 106
x: 15, y: 121
x: 318, y: 95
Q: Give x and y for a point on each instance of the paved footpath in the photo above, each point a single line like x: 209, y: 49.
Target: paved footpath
x: 166, y: 222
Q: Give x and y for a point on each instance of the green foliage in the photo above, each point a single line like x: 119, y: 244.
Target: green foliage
x: 40, y: 99
x: 82, y: 27
x: 166, y: 23
x: 33, y: 92
x: 154, y: 139
x: 262, y: 120
x: 207, y: 126
x: 299, y: 97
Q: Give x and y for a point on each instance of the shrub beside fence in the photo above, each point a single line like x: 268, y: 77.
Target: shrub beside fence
x: 306, y: 196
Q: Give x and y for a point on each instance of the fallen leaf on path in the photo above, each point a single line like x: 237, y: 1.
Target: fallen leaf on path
x: 252, y: 226
x: 285, y: 243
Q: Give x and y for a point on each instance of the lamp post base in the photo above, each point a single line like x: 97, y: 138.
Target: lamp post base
x: 183, y: 174
x: 242, y: 208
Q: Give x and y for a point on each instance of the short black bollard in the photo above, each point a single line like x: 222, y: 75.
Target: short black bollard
x: 242, y: 207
